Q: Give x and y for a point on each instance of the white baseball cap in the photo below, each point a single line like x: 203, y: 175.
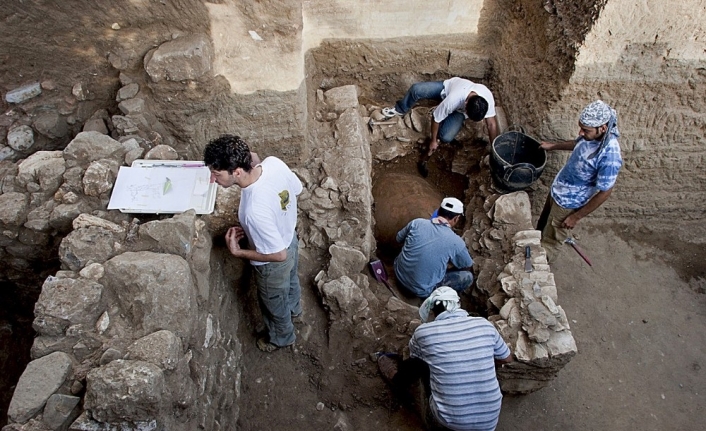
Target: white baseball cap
x: 452, y: 205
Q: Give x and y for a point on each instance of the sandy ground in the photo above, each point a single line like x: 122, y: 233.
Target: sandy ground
x: 640, y: 324
x: 641, y: 331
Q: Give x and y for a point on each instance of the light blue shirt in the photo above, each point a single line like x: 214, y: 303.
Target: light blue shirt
x: 460, y: 351
x: 428, y: 249
x: 582, y: 176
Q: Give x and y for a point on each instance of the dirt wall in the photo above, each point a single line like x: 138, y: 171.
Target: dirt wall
x: 646, y: 60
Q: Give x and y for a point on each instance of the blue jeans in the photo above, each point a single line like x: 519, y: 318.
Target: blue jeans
x: 457, y: 280
x: 449, y: 128
x: 279, y: 295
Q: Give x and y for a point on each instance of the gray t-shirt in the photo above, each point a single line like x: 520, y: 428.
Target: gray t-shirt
x: 428, y: 248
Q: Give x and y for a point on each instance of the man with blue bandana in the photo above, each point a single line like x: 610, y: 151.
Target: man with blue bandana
x: 587, y: 178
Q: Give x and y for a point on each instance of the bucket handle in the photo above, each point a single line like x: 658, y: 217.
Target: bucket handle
x: 509, y: 170
x: 517, y: 128
x: 521, y: 129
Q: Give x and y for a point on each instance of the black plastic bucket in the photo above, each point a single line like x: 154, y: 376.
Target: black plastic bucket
x: 516, y: 161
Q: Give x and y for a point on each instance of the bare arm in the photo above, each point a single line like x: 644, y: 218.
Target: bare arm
x: 493, y: 130
x: 434, y: 144
x: 505, y: 360
x: 595, y: 202
x: 235, y: 234
x: 561, y: 145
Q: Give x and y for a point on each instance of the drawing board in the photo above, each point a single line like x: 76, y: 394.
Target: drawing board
x: 163, y: 187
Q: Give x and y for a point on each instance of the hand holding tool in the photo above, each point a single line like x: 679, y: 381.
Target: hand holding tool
x: 572, y: 242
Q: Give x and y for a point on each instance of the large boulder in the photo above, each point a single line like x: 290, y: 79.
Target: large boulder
x: 175, y: 235
x: 60, y: 411
x: 100, y: 177
x: 161, y: 348
x: 155, y: 291
x: 345, y: 261
x: 91, y: 243
x: 124, y: 391
x: 45, y: 168
x: 187, y: 57
x: 342, y: 98
x: 513, y: 209
x: 39, y: 381
x: 20, y: 138
x: 88, y: 147
x: 13, y: 208
x: 343, y: 298
x: 66, y: 301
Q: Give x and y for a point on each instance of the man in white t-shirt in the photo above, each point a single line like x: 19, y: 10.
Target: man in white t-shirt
x: 268, y: 218
x: 460, y: 99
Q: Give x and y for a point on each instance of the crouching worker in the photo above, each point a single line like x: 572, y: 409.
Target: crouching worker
x: 432, y: 254
x: 450, y: 376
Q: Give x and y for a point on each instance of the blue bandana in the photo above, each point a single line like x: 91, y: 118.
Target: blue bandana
x: 596, y: 114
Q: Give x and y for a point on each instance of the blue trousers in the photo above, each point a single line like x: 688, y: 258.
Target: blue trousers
x: 449, y: 127
x: 457, y: 280
x: 279, y: 295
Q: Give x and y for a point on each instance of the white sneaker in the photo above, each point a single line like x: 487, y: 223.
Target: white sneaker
x: 391, y: 112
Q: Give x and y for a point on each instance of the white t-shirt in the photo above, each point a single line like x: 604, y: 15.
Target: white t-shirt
x: 454, y: 98
x: 268, y: 208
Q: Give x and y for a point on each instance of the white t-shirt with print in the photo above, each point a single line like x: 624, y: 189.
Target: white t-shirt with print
x: 268, y: 208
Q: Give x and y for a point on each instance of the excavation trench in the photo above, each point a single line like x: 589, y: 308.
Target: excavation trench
x: 161, y: 298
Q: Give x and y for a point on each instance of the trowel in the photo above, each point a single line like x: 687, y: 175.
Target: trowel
x: 381, y: 275
x: 528, y: 259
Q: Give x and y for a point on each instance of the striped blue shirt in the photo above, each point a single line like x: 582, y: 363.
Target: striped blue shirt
x: 460, y: 351
x: 582, y: 177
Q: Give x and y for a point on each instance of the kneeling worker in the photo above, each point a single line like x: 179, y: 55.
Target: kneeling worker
x: 432, y: 254
x: 450, y: 376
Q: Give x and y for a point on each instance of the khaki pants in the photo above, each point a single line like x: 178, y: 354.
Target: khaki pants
x: 550, y: 223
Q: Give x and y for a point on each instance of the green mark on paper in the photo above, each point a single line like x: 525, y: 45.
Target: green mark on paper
x: 167, y: 186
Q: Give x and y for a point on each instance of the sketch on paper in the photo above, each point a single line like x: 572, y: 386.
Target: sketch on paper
x: 159, y: 190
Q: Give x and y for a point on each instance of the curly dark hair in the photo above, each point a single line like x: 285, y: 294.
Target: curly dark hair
x: 227, y: 153
x: 476, y: 108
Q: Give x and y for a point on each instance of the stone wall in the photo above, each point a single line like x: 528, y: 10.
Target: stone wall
x: 522, y: 305
x: 136, y: 330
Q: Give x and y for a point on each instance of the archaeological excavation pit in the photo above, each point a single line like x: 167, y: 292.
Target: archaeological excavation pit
x: 146, y: 322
